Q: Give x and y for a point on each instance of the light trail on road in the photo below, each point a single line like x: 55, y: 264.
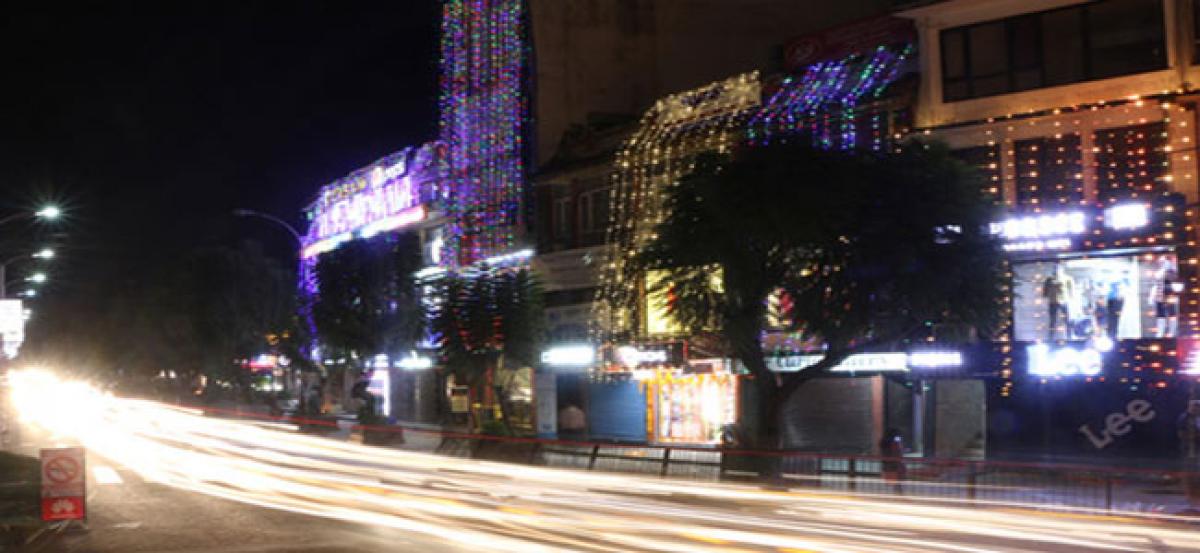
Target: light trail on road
x: 491, y: 506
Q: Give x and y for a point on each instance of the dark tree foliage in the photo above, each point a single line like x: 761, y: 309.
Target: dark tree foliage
x: 199, y: 316
x: 237, y: 299
x: 872, y: 251
x: 369, y: 302
x: 488, y: 317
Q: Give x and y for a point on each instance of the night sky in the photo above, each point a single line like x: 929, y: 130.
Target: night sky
x: 151, y: 121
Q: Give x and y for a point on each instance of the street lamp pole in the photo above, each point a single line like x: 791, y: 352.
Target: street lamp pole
x: 242, y: 212
x: 252, y: 213
x: 45, y: 253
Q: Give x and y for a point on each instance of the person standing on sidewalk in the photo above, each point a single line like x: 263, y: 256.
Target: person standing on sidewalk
x: 891, y: 449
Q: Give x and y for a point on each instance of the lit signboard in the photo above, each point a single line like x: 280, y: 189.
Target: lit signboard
x: 415, y: 362
x: 871, y: 362
x: 1040, y: 232
x: 1065, y: 361
x: 570, y: 356
x: 1127, y: 216
x: 632, y: 357
x: 1055, y: 231
x: 378, y: 199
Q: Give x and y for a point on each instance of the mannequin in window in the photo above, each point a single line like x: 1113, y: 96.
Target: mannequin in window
x: 1164, y: 294
x: 1054, y: 290
x: 1116, y: 305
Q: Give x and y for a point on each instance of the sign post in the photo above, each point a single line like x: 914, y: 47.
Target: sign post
x: 64, y: 484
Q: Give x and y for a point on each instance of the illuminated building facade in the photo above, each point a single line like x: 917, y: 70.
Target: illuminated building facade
x: 645, y: 379
x: 401, y: 193
x: 465, y: 194
x: 1081, y: 118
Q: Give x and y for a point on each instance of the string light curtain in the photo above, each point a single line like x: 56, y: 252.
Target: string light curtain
x: 986, y: 160
x: 1049, y: 172
x: 483, y: 109
x: 1131, y: 162
x: 834, y: 103
x: 711, y: 118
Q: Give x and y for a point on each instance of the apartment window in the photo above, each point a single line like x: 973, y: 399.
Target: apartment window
x: 1196, y: 32
x: 593, y: 211
x: 562, y: 219
x: 1096, y: 40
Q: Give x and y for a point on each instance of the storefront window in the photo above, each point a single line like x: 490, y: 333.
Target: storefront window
x: 1121, y: 297
x: 694, y: 408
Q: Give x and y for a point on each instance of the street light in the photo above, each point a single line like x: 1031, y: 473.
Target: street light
x: 44, y: 253
x: 48, y: 213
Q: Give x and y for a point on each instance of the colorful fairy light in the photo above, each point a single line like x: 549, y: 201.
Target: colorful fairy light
x: 482, y: 123
x: 830, y: 100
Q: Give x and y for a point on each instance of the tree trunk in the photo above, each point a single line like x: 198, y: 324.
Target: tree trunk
x: 769, y: 435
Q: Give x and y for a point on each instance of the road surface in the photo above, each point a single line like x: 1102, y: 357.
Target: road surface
x: 208, y: 475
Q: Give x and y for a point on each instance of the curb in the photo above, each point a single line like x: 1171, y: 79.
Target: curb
x: 44, y: 534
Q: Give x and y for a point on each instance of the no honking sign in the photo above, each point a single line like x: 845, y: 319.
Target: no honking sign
x: 64, y: 484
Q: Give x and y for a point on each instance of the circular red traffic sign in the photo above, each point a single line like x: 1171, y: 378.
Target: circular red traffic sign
x: 61, y: 470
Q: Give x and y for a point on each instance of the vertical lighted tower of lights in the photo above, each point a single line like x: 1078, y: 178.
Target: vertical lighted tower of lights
x: 482, y: 123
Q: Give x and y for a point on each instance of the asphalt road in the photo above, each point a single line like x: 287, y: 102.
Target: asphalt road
x: 186, y: 482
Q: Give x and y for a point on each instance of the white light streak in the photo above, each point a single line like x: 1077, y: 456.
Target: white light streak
x: 465, y: 503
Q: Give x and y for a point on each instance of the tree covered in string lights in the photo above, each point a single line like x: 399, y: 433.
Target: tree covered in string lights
x: 873, y: 251
x: 488, y: 320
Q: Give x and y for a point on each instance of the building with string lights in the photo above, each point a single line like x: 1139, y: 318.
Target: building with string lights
x: 463, y: 195
x: 1079, y: 116
x: 641, y: 377
x: 1082, y: 118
